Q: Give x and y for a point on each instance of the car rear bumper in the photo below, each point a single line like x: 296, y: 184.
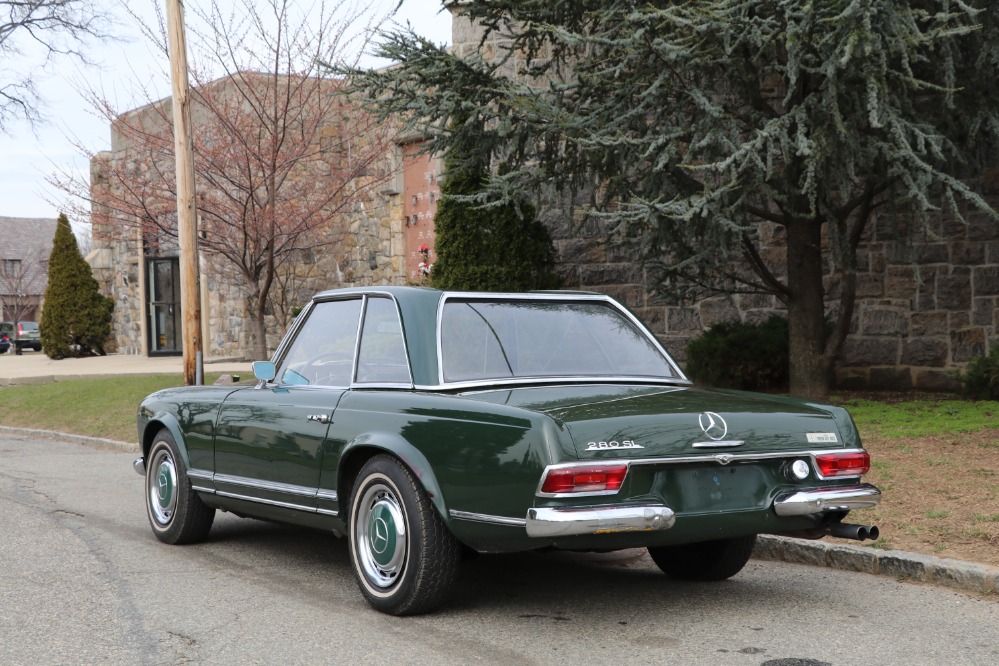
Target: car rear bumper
x: 823, y: 500
x: 558, y: 522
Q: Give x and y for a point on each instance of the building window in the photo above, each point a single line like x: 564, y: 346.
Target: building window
x: 11, y: 267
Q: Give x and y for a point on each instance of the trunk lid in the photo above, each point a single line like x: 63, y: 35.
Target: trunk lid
x: 653, y: 421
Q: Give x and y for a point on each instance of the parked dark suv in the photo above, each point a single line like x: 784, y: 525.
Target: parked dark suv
x: 25, y: 336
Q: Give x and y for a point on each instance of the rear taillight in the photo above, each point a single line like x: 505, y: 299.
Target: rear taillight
x: 852, y: 463
x: 584, y: 480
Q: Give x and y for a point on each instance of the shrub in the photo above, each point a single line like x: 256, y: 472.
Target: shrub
x: 981, y: 380
x: 751, y: 357
x: 76, y: 318
x: 500, y: 248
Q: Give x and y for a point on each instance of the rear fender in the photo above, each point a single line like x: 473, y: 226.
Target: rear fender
x: 366, y: 446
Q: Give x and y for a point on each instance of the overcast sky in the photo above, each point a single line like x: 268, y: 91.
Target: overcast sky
x: 25, y: 160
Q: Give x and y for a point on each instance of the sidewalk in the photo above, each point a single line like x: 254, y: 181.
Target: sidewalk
x: 35, y: 367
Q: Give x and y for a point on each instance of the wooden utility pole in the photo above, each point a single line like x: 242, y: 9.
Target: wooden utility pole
x: 187, y: 219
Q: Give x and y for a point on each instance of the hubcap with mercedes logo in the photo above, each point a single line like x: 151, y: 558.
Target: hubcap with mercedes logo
x: 380, y: 529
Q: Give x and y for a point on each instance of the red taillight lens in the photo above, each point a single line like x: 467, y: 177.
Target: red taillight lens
x: 584, y: 479
x: 854, y: 463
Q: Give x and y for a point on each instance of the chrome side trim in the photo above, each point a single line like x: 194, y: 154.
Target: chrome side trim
x: 329, y: 495
x: 555, y: 522
x: 200, y: 474
x: 258, y: 500
x: 286, y: 488
x: 822, y: 500
x: 484, y: 518
x: 328, y: 512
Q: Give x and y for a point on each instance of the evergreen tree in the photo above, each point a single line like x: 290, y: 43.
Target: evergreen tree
x: 481, y: 248
x: 76, y: 319
x: 701, y: 128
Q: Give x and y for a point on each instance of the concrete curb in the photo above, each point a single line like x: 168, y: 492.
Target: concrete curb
x: 97, y: 442
x: 898, y: 564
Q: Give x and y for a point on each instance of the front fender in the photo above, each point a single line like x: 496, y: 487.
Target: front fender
x: 157, y: 422
x: 365, y: 446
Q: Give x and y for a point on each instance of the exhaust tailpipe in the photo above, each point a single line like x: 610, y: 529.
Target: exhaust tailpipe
x: 855, y: 532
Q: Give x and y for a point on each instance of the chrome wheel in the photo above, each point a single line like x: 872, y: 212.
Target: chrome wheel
x: 380, y: 534
x: 176, y: 513
x: 404, y: 558
x: 162, y: 487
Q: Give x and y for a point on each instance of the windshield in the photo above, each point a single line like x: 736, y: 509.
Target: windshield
x: 483, y: 339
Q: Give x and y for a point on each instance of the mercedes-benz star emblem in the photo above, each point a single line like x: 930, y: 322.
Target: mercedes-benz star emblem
x: 713, y: 425
x: 380, y: 536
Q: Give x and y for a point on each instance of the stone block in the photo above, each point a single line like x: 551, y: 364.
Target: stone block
x: 884, y: 321
x: 982, y: 227
x: 890, y: 379
x: 930, y: 352
x: 870, y: 351
x: 966, y: 344
x: 954, y: 292
x: 985, y: 280
x: 851, y: 379
x: 852, y: 558
x: 683, y: 319
x: 983, y: 312
x: 934, y: 380
x: 718, y: 310
x: 903, y: 565
x: 582, y: 251
x: 870, y: 285
x: 653, y: 317
x: 967, y: 254
x: 607, y: 274
x: 900, y: 282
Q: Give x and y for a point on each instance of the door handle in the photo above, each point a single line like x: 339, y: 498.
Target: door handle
x: 320, y: 418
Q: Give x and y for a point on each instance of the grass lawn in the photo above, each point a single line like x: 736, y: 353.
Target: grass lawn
x: 93, y: 407
x: 936, y: 458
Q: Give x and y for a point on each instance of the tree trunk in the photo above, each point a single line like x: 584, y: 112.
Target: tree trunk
x: 258, y: 328
x: 809, y: 365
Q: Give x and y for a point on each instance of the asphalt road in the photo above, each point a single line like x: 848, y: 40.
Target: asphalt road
x: 83, y: 581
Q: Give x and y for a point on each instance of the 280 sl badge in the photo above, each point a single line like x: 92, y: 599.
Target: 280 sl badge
x: 624, y: 444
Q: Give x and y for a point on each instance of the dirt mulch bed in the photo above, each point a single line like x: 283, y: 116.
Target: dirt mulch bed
x: 940, y: 495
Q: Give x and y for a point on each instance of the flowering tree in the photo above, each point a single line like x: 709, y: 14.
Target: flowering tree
x: 283, y: 156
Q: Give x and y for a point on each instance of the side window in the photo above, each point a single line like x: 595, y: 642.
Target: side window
x: 382, y: 357
x: 322, y: 354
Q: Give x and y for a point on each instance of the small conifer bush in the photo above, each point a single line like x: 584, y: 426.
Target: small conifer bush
x: 76, y: 318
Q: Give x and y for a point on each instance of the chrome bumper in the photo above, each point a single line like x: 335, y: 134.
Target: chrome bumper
x: 823, y: 500
x: 598, y: 520
x: 139, y: 466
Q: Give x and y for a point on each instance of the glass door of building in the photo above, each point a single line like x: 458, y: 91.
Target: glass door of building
x: 163, y: 278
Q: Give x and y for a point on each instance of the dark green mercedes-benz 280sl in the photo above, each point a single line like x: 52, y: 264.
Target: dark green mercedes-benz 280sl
x: 419, y: 423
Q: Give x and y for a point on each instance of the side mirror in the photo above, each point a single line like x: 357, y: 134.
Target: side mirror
x: 264, y: 370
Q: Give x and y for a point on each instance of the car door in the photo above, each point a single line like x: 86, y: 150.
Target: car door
x: 269, y: 439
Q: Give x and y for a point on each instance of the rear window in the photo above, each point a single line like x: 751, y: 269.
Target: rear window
x: 483, y: 339
x: 28, y: 326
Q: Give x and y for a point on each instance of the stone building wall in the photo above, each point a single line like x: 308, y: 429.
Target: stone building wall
x: 366, y: 246
x: 924, y: 308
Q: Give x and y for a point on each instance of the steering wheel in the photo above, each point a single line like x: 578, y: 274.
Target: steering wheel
x: 329, y: 369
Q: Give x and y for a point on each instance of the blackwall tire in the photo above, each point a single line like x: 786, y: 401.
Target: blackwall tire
x: 176, y: 513
x: 704, y: 561
x: 404, y: 558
